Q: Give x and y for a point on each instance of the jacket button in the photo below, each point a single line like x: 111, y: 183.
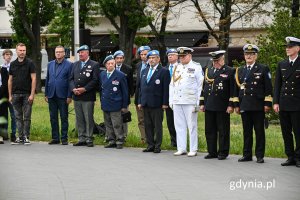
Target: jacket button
x: 285, y: 94
x: 292, y: 94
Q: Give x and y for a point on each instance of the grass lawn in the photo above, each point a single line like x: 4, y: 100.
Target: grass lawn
x: 41, y: 131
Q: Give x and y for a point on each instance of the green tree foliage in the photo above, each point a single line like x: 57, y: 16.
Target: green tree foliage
x: 127, y: 17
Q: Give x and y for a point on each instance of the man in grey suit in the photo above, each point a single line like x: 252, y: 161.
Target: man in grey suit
x: 84, y: 83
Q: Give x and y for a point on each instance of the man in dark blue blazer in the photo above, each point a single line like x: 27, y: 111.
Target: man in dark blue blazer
x: 84, y: 82
x: 114, y: 100
x: 58, y: 94
x: 154, y: 98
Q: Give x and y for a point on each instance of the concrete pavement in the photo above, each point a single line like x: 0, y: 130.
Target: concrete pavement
x: 44, y: 172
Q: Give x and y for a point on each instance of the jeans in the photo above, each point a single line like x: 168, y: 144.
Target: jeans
x: 22, y: 109
x: 12, y: 119
x: 58, y: 105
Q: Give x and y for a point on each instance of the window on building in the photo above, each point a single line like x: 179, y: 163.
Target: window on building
x: 2, y: 3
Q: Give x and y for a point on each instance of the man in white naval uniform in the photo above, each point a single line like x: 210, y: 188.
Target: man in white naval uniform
x: 187, y: 83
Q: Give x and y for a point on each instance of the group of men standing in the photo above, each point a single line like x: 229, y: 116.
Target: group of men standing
x: 182, y: 88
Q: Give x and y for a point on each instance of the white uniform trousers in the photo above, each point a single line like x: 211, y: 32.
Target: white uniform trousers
x: 185, y: 118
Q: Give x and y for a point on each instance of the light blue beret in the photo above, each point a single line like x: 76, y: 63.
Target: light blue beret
x: 109, y: 57
x: 119, y: 53
x: 83, y: 47
x: 173, y: 51
x: 143, y: 48
x: 153, y: 53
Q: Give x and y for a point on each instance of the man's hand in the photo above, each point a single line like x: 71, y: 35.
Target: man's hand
x: 69, y: 100
x: 229, y: 109
x: 10, y: 99
x: 46, y: 99
x: 140, y: 107
x: 81, y: 90
x: 276, y: 108
x: 202, y: 108
x: 237, y: 110
x: 124, y: 110
x: 30, y: 99
x: 267, y: 109
x: 164, y: 107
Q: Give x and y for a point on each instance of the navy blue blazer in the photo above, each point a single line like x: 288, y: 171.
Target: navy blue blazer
x: 155, y: 93
x: 57, y: 80
x: 113, y: 91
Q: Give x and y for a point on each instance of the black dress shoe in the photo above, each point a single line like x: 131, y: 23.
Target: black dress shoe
x: 157, y: 150
x: 260, y: 160
x: 111, y: 145
x: 288, y: 162
x: 79, y: 144
x: 53, y: 142
x: 148, y: 150
x: 298, y: 163
x: 119, y: 146
x: 210, y: 156
x: 245, y: 159
x: 89, y: 144
x: 64, y: 142
x: 221, y: 157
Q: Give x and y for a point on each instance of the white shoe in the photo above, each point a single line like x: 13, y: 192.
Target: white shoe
x: 192, y: 153
x: 179, y: 153
x: 1, y: 140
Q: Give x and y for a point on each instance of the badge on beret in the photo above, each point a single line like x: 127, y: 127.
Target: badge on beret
x: 89, y: 66
x: 115, y: 89
x: 157, y: 81
x: 88, y: 74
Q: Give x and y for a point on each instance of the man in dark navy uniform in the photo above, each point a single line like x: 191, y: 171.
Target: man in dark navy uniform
x: 154, y: 98
x: 140, y: 66
x: 252, y: 99
x: 114, y: 100
x: 287, y: 100
x: 84, y: 83
x: 217, y: 103
x: 173, y: 62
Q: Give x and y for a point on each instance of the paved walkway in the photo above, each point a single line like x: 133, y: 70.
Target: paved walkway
x: 44, y: 172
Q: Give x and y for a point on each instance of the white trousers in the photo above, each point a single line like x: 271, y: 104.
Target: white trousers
x: 185, y: 118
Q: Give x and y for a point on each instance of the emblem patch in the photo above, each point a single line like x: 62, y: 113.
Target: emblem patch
x: 115, y: 89
x: 157, y: 81
x: 88, y: 74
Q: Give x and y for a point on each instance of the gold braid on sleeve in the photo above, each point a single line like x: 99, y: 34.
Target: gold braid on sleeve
x: 237, y: 77
x: 209, y: 80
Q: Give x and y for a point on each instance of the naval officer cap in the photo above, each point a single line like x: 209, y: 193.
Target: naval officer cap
x: 172, y: 51
x: 184, y: 50
x: 250, y: 48
x: 153, y: 53
x: 119, y: 53
x: 292, y: 41
x: 216, y: 55
x: 108, y: 58
x: 83, y: 48
x: 143, y: 48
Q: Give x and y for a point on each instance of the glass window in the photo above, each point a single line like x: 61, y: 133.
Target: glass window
x: 2, y: 3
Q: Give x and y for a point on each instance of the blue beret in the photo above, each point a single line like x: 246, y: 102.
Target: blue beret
x: 292, y: 41
x: 153, y: 53
x: 143, y: 48
x: 83, y: 47
x: 250, y: 48
x: 173, y: 51
x: 119, y: 53
x: 109, y: 57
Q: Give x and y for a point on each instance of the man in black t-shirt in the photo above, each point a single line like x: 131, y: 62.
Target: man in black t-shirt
x: 21, y: 89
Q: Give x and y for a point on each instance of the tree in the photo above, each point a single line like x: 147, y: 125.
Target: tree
x: 159, y: 11
x: 227, y: 12
x: 63, y: 22
x: 28, y: 18
x: 127, y: 17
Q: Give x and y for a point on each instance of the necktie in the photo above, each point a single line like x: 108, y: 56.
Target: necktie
x: 291, y: 64
x: 149, y: 74
x: 247, y: 73
x: 171, y: 70
x: 108, y: 75
x: 142, y: 68
x: 82, y: 64
x: 118, y: 68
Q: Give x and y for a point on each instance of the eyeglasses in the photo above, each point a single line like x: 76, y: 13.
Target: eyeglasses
x: 59, y: 52
x: 249, y: 54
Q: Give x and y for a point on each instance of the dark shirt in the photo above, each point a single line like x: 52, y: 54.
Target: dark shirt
x: 21, y: 74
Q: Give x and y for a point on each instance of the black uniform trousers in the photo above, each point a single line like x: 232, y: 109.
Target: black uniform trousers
x: 254, y: 119
x: 4, y: 113
x: 290, y: 122
x: 153, y: 126
x: 171, y: 127
x: 217, y: 127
